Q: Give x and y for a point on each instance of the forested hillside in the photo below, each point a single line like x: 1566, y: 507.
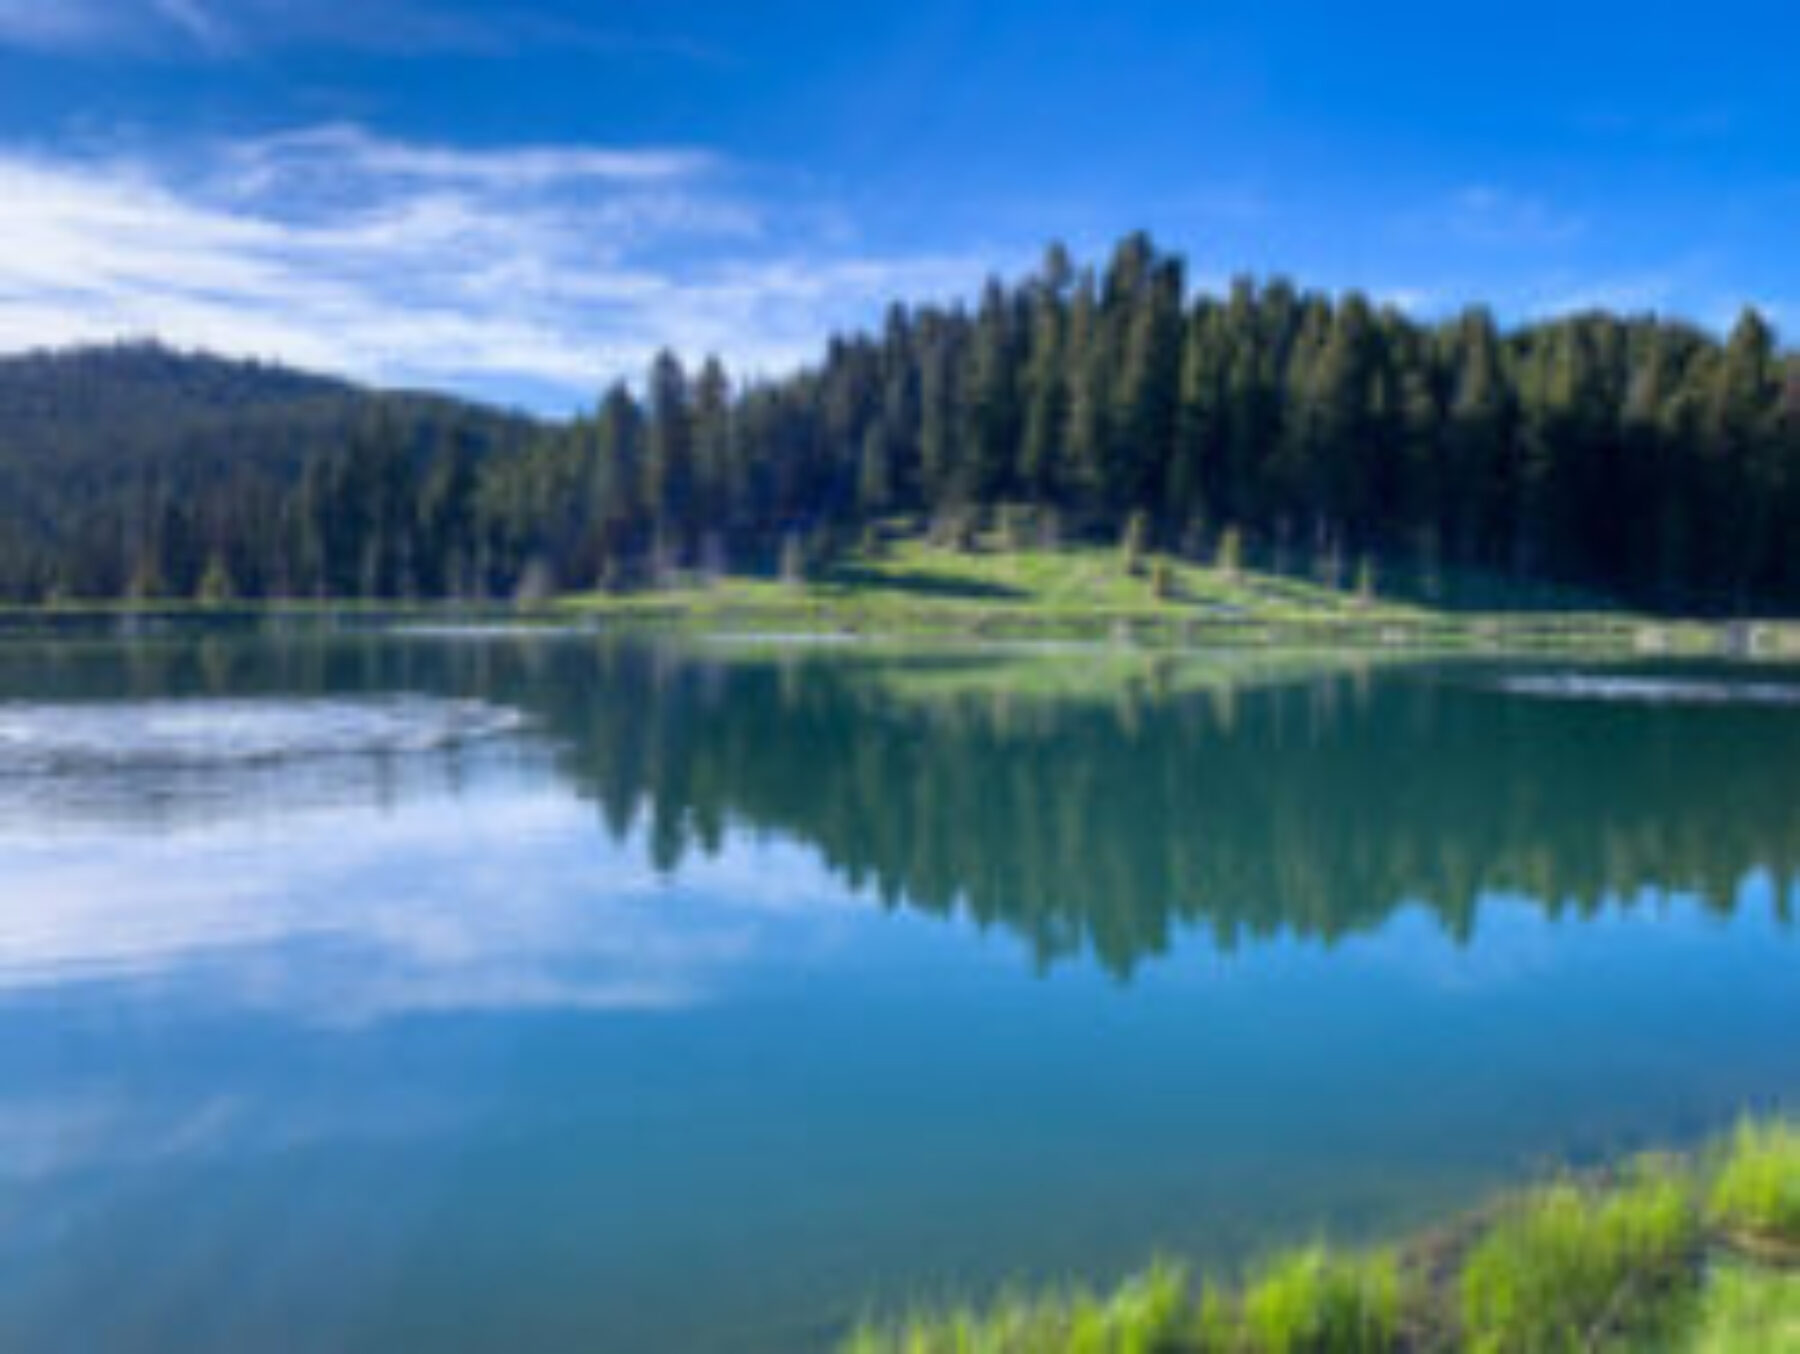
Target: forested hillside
x: 1638, y: 457
x: 132, y: 469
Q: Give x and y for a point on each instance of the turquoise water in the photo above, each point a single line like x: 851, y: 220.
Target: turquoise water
x: 462, y: 991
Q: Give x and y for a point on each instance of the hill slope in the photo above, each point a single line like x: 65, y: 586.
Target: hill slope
x: 91, y: 437
x: 146, y: 408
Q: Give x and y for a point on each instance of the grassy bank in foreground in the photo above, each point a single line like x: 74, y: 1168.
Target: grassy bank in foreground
x: 909, y: 587
x: 1696, y: 1254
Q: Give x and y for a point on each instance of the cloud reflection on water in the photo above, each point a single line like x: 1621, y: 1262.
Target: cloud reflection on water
x: 484, y: 901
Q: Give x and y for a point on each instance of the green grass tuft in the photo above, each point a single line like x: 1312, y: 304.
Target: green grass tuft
x: 1757, y: 1190
x: 1312, y: 1300
x: 1151, y: 1313
x: 1567, y: 1268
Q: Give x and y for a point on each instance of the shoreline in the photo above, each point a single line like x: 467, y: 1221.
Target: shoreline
x: 911, y: 590
x: 725, y: 613
x: 1696, y: 1251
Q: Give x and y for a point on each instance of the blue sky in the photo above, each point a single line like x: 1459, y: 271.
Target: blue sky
x: 524, y: 200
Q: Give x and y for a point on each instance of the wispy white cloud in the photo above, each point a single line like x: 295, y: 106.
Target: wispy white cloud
x: 59, y: 24
x: 76, y: 26
x: 548, y: 268
x: 267, y: 160
x: 336, y: 915
x: 194, y: 19
x: 224, y: 28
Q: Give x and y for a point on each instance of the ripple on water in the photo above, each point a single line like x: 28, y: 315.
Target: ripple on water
x: 178, y: 734
x: 1651, y: 690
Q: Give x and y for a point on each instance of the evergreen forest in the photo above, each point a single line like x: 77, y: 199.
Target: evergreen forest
x: 1643, y: 459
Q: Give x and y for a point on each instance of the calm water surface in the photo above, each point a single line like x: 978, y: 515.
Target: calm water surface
x: 460, y: 991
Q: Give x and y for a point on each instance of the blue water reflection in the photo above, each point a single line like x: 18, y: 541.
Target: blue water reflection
x: 597, y: 1030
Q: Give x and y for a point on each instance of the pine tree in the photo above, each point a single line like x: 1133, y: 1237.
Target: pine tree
x: 1742, y: 481
x: 712, y: 450
x: 1046, y: 382
x: 1476, y: 505
x: 1196, y: 459
x: 875, y: 480
x: 990, y: 406
x: 670, y: 466
x: 1087, y: 363
x: 216, y: 585
x: 1144, y: 297
x: 937, y: 419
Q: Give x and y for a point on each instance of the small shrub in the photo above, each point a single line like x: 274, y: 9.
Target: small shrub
x: 1567, y: 1266
x: 1230, y: 559
x: 1312, y: 1301
x: 1135, y: 541
x: 1758, y: 1189
x: 216, y: 585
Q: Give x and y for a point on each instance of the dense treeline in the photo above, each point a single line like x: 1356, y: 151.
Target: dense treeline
x: 133, y: 470
x: 1641, y: 458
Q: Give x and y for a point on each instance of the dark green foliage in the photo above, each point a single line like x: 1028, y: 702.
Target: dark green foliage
x: 1630, y: 457
x: 134, y: 471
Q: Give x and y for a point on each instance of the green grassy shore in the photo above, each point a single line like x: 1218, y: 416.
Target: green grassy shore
x: 1691, y: 1255
x: 908, y: 588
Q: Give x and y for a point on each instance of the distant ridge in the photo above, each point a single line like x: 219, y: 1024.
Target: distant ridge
x: 87, y: 432
x: 144, y: 402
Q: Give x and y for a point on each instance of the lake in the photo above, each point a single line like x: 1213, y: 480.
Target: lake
x: 459, y: 989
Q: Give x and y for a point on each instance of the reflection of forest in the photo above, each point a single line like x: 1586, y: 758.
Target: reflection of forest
x: 1102, y: 821
x: 1317, y: 806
